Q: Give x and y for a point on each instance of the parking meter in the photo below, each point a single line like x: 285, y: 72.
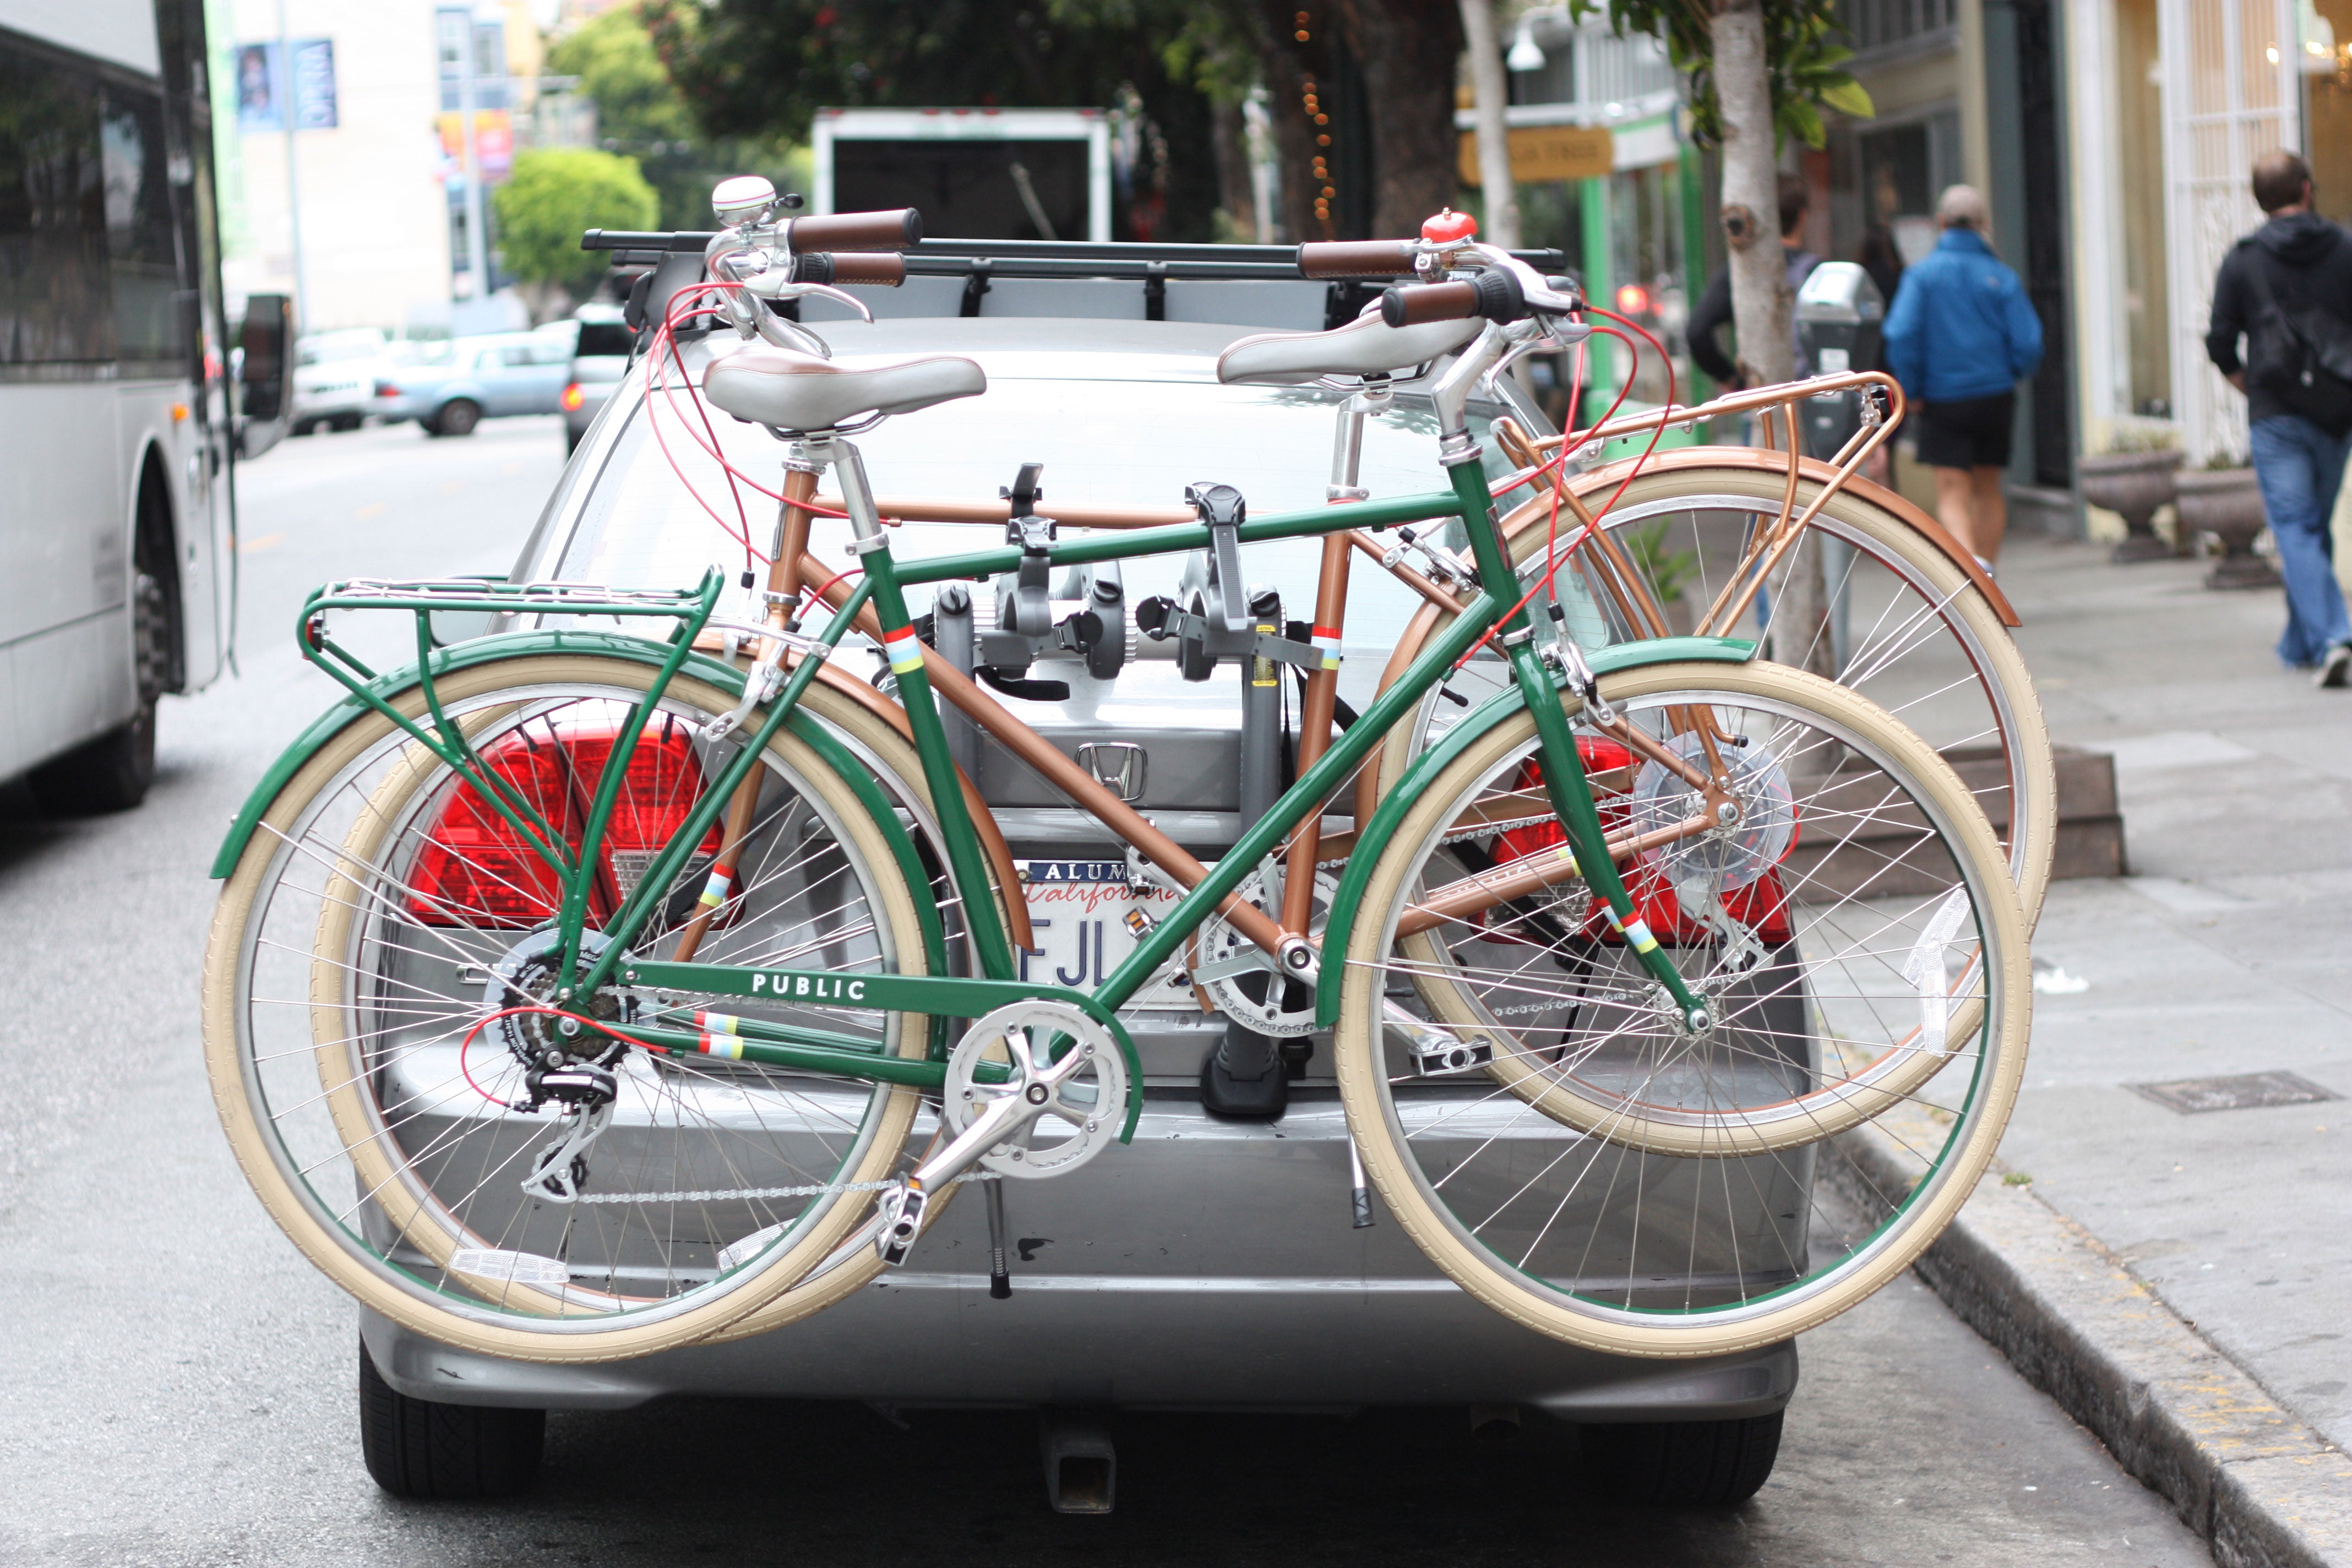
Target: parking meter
x: 1839, y: 317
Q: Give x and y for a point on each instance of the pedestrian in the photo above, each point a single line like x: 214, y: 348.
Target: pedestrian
x: 2287, y: 288
x: 1959, y: 336
x: 1713, y: 311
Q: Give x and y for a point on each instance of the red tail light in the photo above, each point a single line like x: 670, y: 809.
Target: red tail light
x: 475, y: 870
x: 574, y: 397
x: 1762, y: 905
x: 387, y: 389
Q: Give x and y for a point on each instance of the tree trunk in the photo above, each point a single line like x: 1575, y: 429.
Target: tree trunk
x: 1229, y: 136
x: 1408, y: 49
x: 1761, y: 303
x: 1494, y: 96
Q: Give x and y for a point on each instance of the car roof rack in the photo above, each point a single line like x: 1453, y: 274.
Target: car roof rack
x: 983, y: 264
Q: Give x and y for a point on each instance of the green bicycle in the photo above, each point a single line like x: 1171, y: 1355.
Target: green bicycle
x: 576, y: 993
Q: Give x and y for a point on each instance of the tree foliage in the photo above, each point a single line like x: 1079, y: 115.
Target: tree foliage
x: 1801, y: 50
x: 640, y: 114
x: 765, y: 66
x: 553, y: 194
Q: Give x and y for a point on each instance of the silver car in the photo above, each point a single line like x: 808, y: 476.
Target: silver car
x: 1216, y: 1263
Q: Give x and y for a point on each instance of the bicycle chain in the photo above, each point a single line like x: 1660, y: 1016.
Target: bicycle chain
x: 818, y: 1190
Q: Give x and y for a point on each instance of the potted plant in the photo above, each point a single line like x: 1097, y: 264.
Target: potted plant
x: 2134, y: 476
x: 2222, y: 498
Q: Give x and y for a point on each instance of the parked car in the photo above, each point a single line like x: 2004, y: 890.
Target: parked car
x: 1212, y: 1264
x: 488, y: 377
x: 336, y: 377
x: 599, y: 360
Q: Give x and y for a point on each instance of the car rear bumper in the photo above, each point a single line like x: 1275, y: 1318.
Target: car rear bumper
x: 1211, y: 1266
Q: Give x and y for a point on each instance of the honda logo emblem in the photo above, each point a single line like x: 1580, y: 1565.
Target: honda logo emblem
x: 1116, y: 765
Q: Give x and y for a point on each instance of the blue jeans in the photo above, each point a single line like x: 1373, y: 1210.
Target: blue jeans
x: 2301, y: 468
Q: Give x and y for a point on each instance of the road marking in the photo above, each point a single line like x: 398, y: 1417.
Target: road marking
x: 254, y: 546
x: 374, y: 508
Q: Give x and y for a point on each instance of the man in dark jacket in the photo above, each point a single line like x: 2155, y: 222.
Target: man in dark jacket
x: 1960, y: 335
x: 2296, y: 259
x: 1713, y: 311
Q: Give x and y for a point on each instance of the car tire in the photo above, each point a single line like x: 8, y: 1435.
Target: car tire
x: 347, y: 422
x: 435, y: 1453
x: 457, y: 417
x: 113, y: 772
x: 302, y: 426
x: 1683, y: 1464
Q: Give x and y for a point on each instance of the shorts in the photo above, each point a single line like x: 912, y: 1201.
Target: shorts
x: 1970, y: 433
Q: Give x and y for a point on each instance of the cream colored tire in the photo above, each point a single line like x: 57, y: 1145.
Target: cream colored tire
x: 1397, y: 1143
x: 2013, y: 706
x: 559, y: 1336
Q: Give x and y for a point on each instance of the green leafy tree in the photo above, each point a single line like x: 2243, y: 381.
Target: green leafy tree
x: 640, y: 114
x: 553, y: 194
x: 1760, y: 71
x: 765, y: 66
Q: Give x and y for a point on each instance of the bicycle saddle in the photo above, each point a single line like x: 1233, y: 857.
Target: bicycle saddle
x: 1365, y: 346
x: 790, y: 391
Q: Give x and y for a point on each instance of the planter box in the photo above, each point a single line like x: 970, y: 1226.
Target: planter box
x: 2228, y: 504
x: 2132, y: 484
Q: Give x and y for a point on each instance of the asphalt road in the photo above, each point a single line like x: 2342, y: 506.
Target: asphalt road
x: 176, y: 1385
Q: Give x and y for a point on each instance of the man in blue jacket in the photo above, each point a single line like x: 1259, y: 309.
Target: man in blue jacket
x: 1960, y: 336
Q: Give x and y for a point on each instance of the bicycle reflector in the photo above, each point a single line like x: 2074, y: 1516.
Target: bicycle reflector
x: 475, y: 870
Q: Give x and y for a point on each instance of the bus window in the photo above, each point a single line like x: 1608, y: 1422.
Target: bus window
x: 141, y: 242
x: 54, y: 304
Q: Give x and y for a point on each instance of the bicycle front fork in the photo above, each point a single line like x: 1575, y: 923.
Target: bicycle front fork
x: 1571, y: 794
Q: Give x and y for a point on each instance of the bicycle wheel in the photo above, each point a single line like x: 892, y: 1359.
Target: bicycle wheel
x: 1833, y: 965
x: 1922, y: 640
x: 382, y: 916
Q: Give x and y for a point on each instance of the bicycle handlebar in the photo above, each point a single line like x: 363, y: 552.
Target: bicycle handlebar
x: 1356, y: 259
x: 1494, y: 294
x: 886, y: 267
x: 893, y: 230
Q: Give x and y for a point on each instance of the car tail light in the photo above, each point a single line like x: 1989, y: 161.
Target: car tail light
x: 574, y: 397
x: 475, y: 869
x: 1762, y: 905
x: 387, y: 389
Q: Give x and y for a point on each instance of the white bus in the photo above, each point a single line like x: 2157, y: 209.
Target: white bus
x: 118, y: 420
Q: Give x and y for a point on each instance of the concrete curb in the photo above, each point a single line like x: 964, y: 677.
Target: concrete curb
x: 2265, y: 1490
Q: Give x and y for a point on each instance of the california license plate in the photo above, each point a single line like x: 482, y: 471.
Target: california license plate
x: 1088, y: 918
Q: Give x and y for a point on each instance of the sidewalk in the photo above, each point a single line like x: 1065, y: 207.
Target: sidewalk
x: 2227, y: 950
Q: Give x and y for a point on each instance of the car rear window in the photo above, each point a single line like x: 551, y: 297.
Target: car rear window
x: 1102, y: 442
x: 605, y: 338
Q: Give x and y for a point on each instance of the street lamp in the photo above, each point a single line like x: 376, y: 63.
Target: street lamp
x: 1526, y: 54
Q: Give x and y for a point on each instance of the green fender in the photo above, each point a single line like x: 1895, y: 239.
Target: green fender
x: 1495, y: 711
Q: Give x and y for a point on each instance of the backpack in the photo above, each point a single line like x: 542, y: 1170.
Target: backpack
x: 2300, y: 354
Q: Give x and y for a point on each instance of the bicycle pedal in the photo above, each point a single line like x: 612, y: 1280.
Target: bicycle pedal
x: 902, y: 1222
x: 1435, y: 1054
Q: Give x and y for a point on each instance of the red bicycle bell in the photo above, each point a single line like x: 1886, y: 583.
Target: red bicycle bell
x: 1449, y: 228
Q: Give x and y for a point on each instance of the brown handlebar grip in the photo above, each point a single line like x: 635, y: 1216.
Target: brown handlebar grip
x: 1410, y: 306
x: 883, y: 267
x: 894, y: 230
x: 1356, y: 259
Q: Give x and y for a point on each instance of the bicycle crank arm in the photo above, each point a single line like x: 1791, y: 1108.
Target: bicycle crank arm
x: 899, y: 1214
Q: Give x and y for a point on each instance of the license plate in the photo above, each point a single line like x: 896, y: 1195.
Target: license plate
x: 1087, y: 920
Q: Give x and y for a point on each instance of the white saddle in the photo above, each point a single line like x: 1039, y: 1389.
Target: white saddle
x: 790, y: 391
x: 1365, y: 346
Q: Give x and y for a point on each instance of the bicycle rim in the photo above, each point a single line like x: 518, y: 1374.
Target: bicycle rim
x: 1728, y: 1241
x: 381, y: 1113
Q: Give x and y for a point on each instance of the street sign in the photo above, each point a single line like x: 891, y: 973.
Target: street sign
x: 1541, y: 152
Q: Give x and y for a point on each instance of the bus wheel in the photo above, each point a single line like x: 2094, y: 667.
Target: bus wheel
x: 112, y: 773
